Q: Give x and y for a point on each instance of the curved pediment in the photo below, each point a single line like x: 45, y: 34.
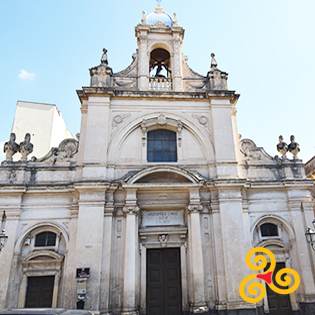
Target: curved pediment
x: 164, y: 174
x: 163, y: 177
x: 43, y: 255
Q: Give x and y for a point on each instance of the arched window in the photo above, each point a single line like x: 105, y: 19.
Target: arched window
x: 268, y: 229
x: 45, y: 239
x: 162, y: 146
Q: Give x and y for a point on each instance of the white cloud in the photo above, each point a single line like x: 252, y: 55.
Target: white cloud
x: 2, y: 154
x: 25, y: 75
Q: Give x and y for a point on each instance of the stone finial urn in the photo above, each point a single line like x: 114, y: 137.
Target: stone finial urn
x: 26, y: 147
x: 294, y: 147
x: 10, y: 147
x: 282, y: 147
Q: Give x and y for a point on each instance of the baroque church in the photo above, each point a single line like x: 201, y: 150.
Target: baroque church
x: 155, y: 206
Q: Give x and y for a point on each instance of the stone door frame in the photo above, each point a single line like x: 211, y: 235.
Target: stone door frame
x: 163, y: 237
x: 41, y: 268
x: 282, y: 256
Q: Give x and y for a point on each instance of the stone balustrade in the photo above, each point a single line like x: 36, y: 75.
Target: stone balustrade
x: 160, y: 84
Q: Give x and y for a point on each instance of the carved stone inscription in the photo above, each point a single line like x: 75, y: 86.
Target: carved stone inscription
x: 152, y: 218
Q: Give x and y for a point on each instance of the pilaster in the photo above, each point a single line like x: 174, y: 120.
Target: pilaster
x: 97, y: 131
x: 177, y: 59
x: 196, y: 257
x: 143, y: 66
x: 232, y: 231
x: 89, y: 238
x: 69, y: 297
x: 302, y: 215
x: 131, y: 254
x: 223, y: 138
x: 107, y: 248
x: 11, y: 203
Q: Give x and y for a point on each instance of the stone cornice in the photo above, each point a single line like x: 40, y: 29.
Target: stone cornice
x: 112, y: 92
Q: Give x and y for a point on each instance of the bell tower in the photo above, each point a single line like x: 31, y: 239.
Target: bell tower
x: 160, y: 51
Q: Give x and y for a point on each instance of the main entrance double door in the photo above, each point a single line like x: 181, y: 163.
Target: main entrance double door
x: 279, y: 304
x: 39, y: 291
x: 164, y: 290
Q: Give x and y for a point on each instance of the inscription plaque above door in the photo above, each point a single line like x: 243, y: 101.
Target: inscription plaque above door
x: 158, y: 218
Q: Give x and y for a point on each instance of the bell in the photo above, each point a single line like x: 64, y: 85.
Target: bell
x: 160, y: 72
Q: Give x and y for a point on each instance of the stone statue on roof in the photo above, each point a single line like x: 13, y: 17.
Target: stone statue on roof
x: 104, y: 60
x: 214, y: 63
x: 10, y: 147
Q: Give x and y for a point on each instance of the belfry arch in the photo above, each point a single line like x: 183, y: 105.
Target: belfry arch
x: 160, y: 63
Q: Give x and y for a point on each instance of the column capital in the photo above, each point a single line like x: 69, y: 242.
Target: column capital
x: 194, y: 208
x: 131, y: 209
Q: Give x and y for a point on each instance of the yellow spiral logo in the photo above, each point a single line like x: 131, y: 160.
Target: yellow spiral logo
x: 259, y: 288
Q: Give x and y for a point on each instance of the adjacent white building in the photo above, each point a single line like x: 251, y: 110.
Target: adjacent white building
x: 154, y: 209
x: 45, y: 124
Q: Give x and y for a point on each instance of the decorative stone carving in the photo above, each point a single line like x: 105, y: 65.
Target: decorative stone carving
x: 294, y: 147
x: 26, y: 147
x: 144, y: 131
x: 282, y: 147
x: 177, y: 41
x: 142, y: 39
x: 185, y: 58
x: 175, y: 20
x: 179, y: 133
x: 159, y: 24
x: 190, y: 86
x: 163, y: 239
x: 144, y: 18
x: 10, y: 147
x: 203, y: 120
x: 162, y: 120
x: 254, y: 153
x: 67, y: 149
x: 131, y: 209
x: 214, y: 63
x: 104, y: 60
x: 64, y: 153
x: 118, y: 119
x: 125, y: 84
x: 195, y: 208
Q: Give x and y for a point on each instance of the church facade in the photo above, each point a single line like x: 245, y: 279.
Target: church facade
x: 154, y: 208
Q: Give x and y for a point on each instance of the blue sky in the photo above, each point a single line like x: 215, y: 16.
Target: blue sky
x: 267, y: 47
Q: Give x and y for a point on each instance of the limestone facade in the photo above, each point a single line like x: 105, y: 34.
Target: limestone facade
x: 110, y: 206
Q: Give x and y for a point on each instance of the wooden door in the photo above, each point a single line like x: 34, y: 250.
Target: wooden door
x: 279, y: 304
x: 164, y: 290
x: 39, y: 291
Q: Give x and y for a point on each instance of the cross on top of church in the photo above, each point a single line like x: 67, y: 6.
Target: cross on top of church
x: 158, y: 2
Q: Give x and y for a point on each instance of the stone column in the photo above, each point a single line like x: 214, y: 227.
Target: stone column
x: 12, y: 206
x: 195, y: 248
x: 131, y: 255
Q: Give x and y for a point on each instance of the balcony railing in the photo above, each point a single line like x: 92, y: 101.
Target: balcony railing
x: 160, y: 84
